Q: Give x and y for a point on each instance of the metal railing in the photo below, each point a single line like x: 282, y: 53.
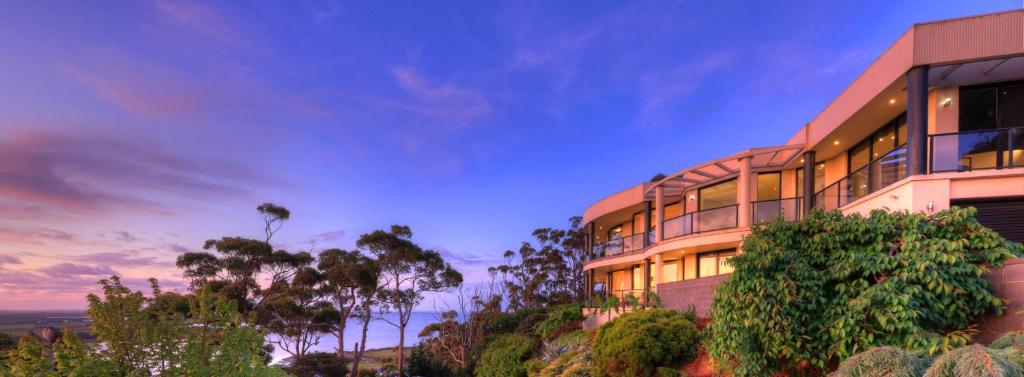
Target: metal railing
x: 701, y: 221
x: 878, y: 174
x: 976, y: 150
x: 766, y: 211
x: 620, y: 246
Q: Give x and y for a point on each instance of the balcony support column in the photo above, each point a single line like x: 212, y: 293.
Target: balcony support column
x: 743, y: 193
x: 647, y: 280
x: 590, y: 239
x: 647, y: 223
x: 659, y: 214
x: 808, y: 200
x: 917, y: 121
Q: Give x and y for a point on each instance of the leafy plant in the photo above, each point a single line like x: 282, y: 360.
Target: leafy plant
x: 810, y: 293
x: 637, y: 343
x: 504, y: 357
x: 973, y: 361
x: 561, y: 319
x: 883, y: 362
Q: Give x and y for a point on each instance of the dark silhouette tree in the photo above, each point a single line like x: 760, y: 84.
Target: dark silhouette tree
x: 407, y: 273
x: 344, y: 274
x: 294, y: 312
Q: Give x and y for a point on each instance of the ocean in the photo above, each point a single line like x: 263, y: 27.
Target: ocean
x: 380, y: 334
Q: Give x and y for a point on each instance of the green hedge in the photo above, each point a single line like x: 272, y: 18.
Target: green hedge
x: 638, y: 343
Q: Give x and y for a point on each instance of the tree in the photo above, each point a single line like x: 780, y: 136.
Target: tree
x: 236, y: 268
x: 407, y: 273
x: 294, y: 312
x: 805, y: 295
x: 551, y: 273
x: 344, y: 275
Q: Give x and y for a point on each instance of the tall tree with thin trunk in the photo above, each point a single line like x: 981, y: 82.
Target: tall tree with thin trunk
x: 407, y: 273
x: 345, y: 273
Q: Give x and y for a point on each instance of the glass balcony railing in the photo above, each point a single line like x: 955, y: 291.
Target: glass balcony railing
x: 977, y: 150
x: 766, y: 211
x: 878, y: 174
x: 701, y: 221
x: 620, y: 246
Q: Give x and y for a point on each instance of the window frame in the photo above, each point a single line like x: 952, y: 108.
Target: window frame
x: 718, y: 257
x: 700, y: 191
x: 894, y: 125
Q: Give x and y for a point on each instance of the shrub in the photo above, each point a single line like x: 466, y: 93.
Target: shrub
x: 973, y: 361
x: 318, y: 364
x: 637, y: 343
x: 561, y: 319
x: 1012, y: 339
x: 883, y: 362
x: 423, y: 363
x: 808, y: 294
x: 504, y: 357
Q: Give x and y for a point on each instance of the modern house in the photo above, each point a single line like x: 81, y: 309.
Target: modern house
x: 937, y: 120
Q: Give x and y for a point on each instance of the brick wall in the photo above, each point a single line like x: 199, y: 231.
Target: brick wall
x: 680, y: 295
x: 1008, y: 283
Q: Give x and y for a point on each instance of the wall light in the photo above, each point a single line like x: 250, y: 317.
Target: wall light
x: 692, y: 197
x: 946, y: 101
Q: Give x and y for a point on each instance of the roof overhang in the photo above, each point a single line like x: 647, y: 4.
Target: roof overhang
x: 767, y: 158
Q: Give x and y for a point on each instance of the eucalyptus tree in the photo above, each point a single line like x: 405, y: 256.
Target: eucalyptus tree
x: 407, y: 273
x: 295, y: 313
x: 240, y: 264
x: 345, y: 274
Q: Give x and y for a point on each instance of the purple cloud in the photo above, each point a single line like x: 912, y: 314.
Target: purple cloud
x: 8, y: 259
x: 71, y: 269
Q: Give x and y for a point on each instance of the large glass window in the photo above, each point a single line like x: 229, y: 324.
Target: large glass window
x: 876, y: 162
x: 1011, y: 105
x: 799, y: 182
x: 622, y: 280
x: 978, y: 108
x: 714, y: 263
x: 718, y: 195
x: 670, y: 271
x: 819, y: 177
x: 673, y: 210
x: 768, y: 186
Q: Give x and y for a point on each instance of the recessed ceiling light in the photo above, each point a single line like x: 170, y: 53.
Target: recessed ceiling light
x: 892, y: 101
x: 835, y: 142
x: 801, y: 160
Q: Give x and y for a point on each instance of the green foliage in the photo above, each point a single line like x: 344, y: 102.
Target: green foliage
x: 669, y: 372
x: 318, y: 364
x: 561, y: 319
x: 7, y: 342
x: 810, y: 293
x: 883, y: 362
x: 423, y: 364
x: 1013, y: 339
x: 974, y: 361
x: 29, y: 359
x: 567, y: 356
x: 637, y: 343
x: 505, y: 357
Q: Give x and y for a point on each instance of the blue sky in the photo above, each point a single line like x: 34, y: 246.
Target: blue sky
x: 131, y: 132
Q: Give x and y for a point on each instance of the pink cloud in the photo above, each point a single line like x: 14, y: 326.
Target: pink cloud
x: 88, y: 174
x: 444, y: 101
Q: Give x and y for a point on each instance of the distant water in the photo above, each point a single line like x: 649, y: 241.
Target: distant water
x: 380, y: 334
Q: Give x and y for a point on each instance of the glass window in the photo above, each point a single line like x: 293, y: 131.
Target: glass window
x: 670, y: 271
x: 901, y: 131
x: 622, y: 280
x: 716, y: 196
x: 638, y: 277
x: 673, y: 210
x: 883, y: 142
x: 714, y: 263
x: 819, y: 177
x: 1011, y: 104
x: 799, y: 182
x: 978, y: 109
x: 615, y: 233
x: 638, y: 223
x: 859, y: 156
x: 768, y: 185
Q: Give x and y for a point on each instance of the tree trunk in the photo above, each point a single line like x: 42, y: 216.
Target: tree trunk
x: 401, y: 347
x: 341, y: 338
x: 360, y: 347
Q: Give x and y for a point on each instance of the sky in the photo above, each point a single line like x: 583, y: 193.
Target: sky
x: 130, y: 132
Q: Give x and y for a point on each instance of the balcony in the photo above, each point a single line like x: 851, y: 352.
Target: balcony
x: 878, y: 174
x: 701, y: 221
x: 766, y: 211
x: 621, y: 246
x: 976, y: 150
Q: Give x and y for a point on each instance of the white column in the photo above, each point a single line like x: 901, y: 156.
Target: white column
x: 659, y: 213
x: 743, y: 193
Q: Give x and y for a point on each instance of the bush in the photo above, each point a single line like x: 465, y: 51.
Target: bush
x: 973, y: 361
x: 808, y: 294
x: 422, y: 363
x: 637, y: 343
x: 504, y: 357
x: 318, y: 364
x: 567, y: 356
x: 883, y: 362
x: 561, y: 319
x: 1012, y: 339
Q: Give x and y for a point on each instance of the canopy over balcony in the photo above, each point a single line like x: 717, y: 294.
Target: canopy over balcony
x: 766, y: 158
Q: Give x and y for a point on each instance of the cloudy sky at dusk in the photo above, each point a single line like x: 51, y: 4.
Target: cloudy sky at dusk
x: 130, y: 132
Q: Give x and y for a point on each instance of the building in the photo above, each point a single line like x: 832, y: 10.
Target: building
x: 937, y: 120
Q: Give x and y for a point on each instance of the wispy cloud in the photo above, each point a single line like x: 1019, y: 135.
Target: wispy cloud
x: 71, y: 269
x: 444, y: 101
x: 87, y: 174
